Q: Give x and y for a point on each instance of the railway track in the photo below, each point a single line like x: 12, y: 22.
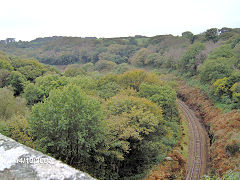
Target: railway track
x: 198, y: 146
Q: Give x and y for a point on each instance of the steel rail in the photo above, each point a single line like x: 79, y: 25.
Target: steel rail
x: 195, y: 172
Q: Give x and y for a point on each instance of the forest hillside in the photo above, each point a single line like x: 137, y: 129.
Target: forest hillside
x: 107, y: 106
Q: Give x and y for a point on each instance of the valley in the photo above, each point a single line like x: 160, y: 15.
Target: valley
x: 112, y: 107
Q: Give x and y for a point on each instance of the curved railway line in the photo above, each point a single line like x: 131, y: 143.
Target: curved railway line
x: 198, y: 144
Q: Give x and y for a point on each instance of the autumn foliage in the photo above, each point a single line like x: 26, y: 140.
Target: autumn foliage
x: 223, y: 129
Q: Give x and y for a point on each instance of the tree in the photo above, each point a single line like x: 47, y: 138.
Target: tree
x: 112, y: 57
x: 121, y: 68
x: 235, y: 42
x: 3, y: 77
x: 139, y: 57
x: 88, y: 84
x: 133, y: 79
x: 154, y: 59
x: 9, y: 105
x: 105, y: 66
x: 214, y: 69
x: 212, y: 34
x: 4, y: 64
x: 137, y: 127
x: 31, y: 69
x: 162, y: 95
x: 189, y: 35
x: 16, y: 80
x: 49, y: 82
x: 33, y: 94
x: 108, y: 90
x: 224, y: 51
x: 69, y: 125
x: 68, y: 59
x: 188, y: 62
x: 74, y: 70
x: 117, y: 53
x: 107, y: 79
x: 85, y: 57
x: 88, y: 67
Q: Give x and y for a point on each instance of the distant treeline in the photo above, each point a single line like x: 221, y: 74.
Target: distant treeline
x: 60, y: 50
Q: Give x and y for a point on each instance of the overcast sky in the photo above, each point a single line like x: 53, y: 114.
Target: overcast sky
x: 29, y: 19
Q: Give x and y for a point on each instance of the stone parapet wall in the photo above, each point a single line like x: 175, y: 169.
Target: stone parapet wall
x: 21, y: 162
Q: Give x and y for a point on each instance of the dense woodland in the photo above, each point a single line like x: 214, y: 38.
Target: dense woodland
x: 112, y: 126
x: 106, y: 111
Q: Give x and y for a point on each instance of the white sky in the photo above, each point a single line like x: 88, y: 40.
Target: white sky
x: 29, y: 19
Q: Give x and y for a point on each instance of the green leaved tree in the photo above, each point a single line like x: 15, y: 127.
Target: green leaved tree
x: 69, y: 125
